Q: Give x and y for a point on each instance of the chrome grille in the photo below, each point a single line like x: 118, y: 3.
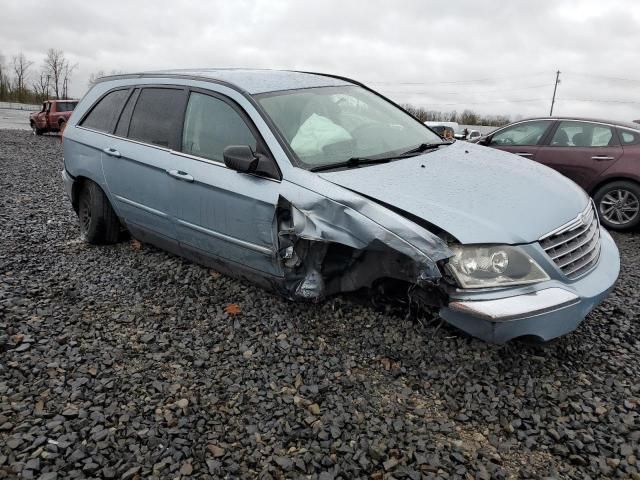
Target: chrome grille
x: 575, y: 247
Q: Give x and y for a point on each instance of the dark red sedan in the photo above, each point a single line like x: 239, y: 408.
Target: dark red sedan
x: 602, y: 157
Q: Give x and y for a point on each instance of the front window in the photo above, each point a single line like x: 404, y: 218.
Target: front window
x: 329, y: 125
x: 521, y: 134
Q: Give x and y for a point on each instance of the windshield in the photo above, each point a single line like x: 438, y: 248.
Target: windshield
x: 330, y: 125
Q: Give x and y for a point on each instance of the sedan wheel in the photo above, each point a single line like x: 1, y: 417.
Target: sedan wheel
x: 619, y: 205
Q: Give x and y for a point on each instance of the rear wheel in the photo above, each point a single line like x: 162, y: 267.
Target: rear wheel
x: 618, y: 205
x: 61, y: 126
x: 98, y: 222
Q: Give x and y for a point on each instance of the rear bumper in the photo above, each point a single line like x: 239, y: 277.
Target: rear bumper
x: 551, y: 309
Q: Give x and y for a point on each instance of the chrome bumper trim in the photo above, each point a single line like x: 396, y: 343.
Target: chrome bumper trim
x: 519, y: 306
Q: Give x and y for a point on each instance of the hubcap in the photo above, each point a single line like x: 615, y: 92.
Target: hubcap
x: 619, y: 206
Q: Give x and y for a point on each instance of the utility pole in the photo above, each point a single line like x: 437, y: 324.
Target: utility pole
x: 555, y: 87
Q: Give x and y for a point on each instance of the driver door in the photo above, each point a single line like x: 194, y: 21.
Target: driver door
x: 217, y: 211
x: 521, y: 139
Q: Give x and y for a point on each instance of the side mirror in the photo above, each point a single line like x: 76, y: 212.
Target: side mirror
x: 240, y: 158
x: 484, y: 141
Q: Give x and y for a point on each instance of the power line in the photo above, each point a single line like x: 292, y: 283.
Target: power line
x: 519, y: 100
x: 605, y: 77
x: 460, y: 82
x: 595, y: 100
x: 477, y: 92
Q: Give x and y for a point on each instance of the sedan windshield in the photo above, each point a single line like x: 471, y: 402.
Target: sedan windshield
x: 330, y: 125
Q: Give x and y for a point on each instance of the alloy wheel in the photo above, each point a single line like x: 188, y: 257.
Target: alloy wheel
x: 619, y: 206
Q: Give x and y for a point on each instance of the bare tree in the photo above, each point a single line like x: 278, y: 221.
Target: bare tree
x: 68, y: 70
x: 95, y: 76
x: 4, y: 80
x: 21, y: 71
x: 41, y: 86
x: 55, y: 64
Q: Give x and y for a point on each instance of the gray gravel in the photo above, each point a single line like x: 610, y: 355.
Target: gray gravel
x: 122, y: 362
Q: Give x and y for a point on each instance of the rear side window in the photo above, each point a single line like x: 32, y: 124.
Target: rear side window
x: 629, y: 137
x: 156, y: 116
x: 582, y: 134
x: 66, y: 106
x: 104, y: 113
x: 210, y: 125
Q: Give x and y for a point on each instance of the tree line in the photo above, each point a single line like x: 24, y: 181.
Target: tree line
x: 21, y: 81
x: 467, y: 117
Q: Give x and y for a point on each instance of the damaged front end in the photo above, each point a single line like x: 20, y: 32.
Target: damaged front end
x: 328, y: 247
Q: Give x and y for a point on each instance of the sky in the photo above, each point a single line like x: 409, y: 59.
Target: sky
x: 497, y: 57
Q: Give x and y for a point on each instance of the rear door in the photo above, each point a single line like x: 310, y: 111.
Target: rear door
x: 581, y: 151
x: 521, y: 138
x: 138, y: 156
x: 218, y: 211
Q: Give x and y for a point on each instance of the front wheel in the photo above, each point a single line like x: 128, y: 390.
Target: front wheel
x: 98, y: 222
x: 618, y: 205
x: 36, y: 130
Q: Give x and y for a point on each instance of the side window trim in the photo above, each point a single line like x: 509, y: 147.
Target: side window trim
x: 545, y: 140
x: 261, y: 145
x: 133, y: 97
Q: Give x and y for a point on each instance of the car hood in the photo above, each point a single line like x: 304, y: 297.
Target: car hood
x: 475, y: 193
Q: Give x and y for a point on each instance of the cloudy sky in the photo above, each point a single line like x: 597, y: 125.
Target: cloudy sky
x: 494, y: 57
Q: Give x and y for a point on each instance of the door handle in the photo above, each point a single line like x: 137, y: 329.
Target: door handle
x: 601, y: 157
x: 112, y: 152
x: 525, y: 154
x: 180, y: 175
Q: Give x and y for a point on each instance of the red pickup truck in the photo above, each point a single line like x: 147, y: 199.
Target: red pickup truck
x: 52, y: 117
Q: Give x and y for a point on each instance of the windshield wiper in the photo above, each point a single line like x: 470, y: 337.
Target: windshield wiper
x: 357, y: 161
x: 423, y: 147
x: 354, y: 162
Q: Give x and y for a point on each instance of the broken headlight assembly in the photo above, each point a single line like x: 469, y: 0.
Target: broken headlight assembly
x: 483, y: 266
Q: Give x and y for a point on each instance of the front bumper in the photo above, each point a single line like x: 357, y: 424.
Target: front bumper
x: 546, y: 310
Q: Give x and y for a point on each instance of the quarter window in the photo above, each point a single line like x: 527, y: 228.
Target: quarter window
x: 210, y: 125
x: 582, y: 134
x: 156, y: 116
x: 527, y: 133
x: 629, y: 137
x: 104, y: 113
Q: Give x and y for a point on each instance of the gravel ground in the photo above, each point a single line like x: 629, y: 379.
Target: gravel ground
x: 126, y: 362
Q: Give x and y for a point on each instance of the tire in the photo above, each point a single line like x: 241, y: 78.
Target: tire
x: 99, y: 224
x: 618, y: 205
x: 61, y: 126
x: 36, y: 130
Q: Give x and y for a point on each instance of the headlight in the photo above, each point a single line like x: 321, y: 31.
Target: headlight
x: 481, y: 266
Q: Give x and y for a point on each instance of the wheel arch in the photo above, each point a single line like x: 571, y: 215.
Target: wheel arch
x: 79, y: 183
x: 617, y: 178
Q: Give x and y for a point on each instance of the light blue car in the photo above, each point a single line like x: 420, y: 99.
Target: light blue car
x: 312, y: 184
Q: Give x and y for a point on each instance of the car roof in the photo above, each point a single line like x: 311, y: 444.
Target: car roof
x: 632, y: 125
x: 252, y: 81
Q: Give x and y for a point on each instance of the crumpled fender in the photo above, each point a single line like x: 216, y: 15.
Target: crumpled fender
x: 362, y: 224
